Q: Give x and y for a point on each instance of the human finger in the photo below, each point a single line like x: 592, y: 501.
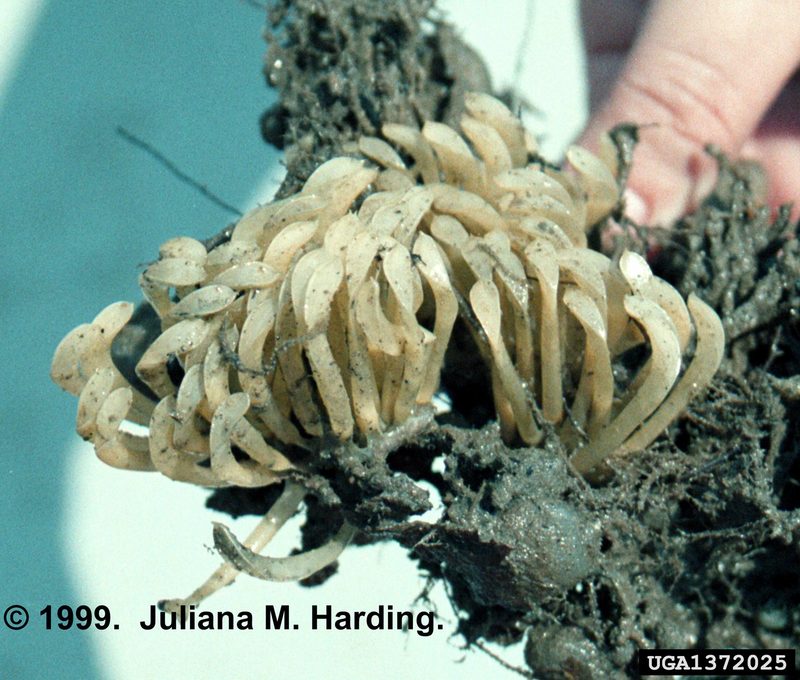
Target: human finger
x: 699, y: 72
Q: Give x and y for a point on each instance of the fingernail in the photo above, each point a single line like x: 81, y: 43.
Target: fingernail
x: 635, y: 207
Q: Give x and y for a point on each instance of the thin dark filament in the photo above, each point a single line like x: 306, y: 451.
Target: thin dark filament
x: 175, y: 170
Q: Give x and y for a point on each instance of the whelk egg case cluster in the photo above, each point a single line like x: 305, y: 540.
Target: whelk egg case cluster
x: 329, y: 313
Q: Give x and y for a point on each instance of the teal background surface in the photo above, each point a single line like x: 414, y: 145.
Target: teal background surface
x: 77, y: 201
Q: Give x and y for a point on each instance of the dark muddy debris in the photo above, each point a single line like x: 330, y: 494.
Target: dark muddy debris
x: 694, y: 543
x: 344, y: 68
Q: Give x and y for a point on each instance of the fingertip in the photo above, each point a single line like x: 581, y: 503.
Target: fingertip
x: 660, y: 185
x: 686, y: 92
x: 778, y: 156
